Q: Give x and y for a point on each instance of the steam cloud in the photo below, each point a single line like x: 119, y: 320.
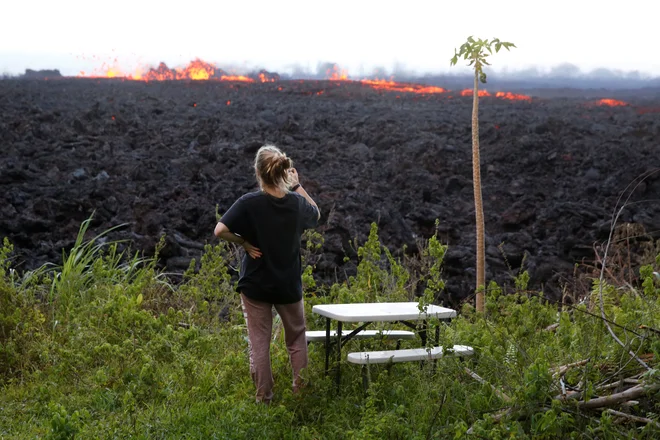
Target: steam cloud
x: 564, y: 76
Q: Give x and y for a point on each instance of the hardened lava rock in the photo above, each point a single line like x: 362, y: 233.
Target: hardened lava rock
x: 161, y: 155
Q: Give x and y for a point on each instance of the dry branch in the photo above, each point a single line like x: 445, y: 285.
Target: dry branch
x: 632, y: 418
x: 571, y: 395
x: 564, y: 368
x: 551, y: 327
x: 646, y: 327
x: 610, y: 386
x: 615, y: 399
x: 630, y: 403
x: 483, y: 381
x: 497, y: 417
x: 619, y: 383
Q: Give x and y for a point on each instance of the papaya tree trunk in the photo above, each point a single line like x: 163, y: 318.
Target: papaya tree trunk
x: 478, y: 202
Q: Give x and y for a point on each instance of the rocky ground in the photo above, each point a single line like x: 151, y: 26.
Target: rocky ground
x: 161, y: 155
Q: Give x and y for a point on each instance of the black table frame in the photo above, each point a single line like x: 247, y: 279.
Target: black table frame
x: 341, y: 340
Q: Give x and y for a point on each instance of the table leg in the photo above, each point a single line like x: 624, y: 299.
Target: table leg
x: 424, y: 336
x: 338, y: 376
x: 436, y: 343
x: 327, y: 345
x: 423, y: 332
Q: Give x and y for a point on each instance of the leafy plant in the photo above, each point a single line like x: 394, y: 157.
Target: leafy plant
x: 310, y: 255
x: 74, y: 274
x: 134, y: 358
x: 474, y: 51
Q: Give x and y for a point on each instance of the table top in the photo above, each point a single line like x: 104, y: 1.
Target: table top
x: 381, y: 312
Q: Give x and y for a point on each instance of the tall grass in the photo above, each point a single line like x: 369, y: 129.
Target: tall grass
x: 102, y: 347
x: 72, y: 278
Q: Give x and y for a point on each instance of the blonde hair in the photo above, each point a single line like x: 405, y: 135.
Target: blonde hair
x: 271, y: 167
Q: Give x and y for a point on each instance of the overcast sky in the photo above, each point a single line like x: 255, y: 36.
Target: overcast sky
x: 75, y: 35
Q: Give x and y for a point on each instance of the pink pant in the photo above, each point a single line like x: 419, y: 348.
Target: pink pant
x: 259, y: 319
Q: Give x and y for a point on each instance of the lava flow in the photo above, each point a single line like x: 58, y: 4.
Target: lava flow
x: 201, y: 70
x: 392, y: 86
x: 470, y: 92
x: 196, y: 70
x: 513, y: 96
x: 236, y: 78
x: 611, y: 103
x: 504, y: 95
x: 337, y: 74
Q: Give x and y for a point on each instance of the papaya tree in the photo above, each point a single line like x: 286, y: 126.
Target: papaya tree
x: 476, y: 53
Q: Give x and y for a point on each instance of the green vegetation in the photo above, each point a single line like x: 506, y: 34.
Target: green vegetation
x: 104, y: 347
x: 474, y: 51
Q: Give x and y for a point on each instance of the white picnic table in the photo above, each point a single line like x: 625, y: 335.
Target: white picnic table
x: 382, y: 312
x: 367, y: 313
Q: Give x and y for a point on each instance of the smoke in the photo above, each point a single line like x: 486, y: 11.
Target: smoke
x: 564, y: 75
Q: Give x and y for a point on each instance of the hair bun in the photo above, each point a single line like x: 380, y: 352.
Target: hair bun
x: 286, y: 162
x: 272, y: 165
x: 280, y: 163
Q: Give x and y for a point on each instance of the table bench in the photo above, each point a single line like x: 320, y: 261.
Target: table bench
x: 407, y: 355
x: 320, y: 335
x: 367, y: 313
x: 389, y: 357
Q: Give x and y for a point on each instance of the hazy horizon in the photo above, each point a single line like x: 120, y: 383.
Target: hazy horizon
x: 412, y: 37
x: 320, y: 69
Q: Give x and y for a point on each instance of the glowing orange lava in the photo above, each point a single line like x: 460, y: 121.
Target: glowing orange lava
x: 196, y: 70
x: 161, y: 73
x: 381, y: 84
x: 199, y: 70
x: 236, y: 78
x: 513, y: 96
x: 504, y: 95
x: 469, y: 92
x: 337, y: 74
x: 611, y: 103
x: 263, y: 78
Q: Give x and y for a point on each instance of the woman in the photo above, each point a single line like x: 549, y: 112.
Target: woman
x: 268, y: 224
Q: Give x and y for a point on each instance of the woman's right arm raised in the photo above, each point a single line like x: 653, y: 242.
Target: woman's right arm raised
x: 300, y: 190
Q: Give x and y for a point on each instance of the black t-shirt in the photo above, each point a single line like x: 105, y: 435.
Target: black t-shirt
x: 274, y: 225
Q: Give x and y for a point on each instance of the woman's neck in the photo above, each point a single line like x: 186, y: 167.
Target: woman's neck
x: 274, y: 191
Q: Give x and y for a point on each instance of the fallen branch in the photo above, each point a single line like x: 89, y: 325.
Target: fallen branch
x: 497, y: 417
x: 630, y: 403
x: 564, y: 368
x: 615, y: 399
x: 609, y: 386
x: 632, y: 418
x: 618, y: 383
x: 571, y: 395
x: 646, y: 327
x: 483, y: 381
x: 551, y: 327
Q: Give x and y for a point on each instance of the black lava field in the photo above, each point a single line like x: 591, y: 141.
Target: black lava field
x: 160, y: 156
